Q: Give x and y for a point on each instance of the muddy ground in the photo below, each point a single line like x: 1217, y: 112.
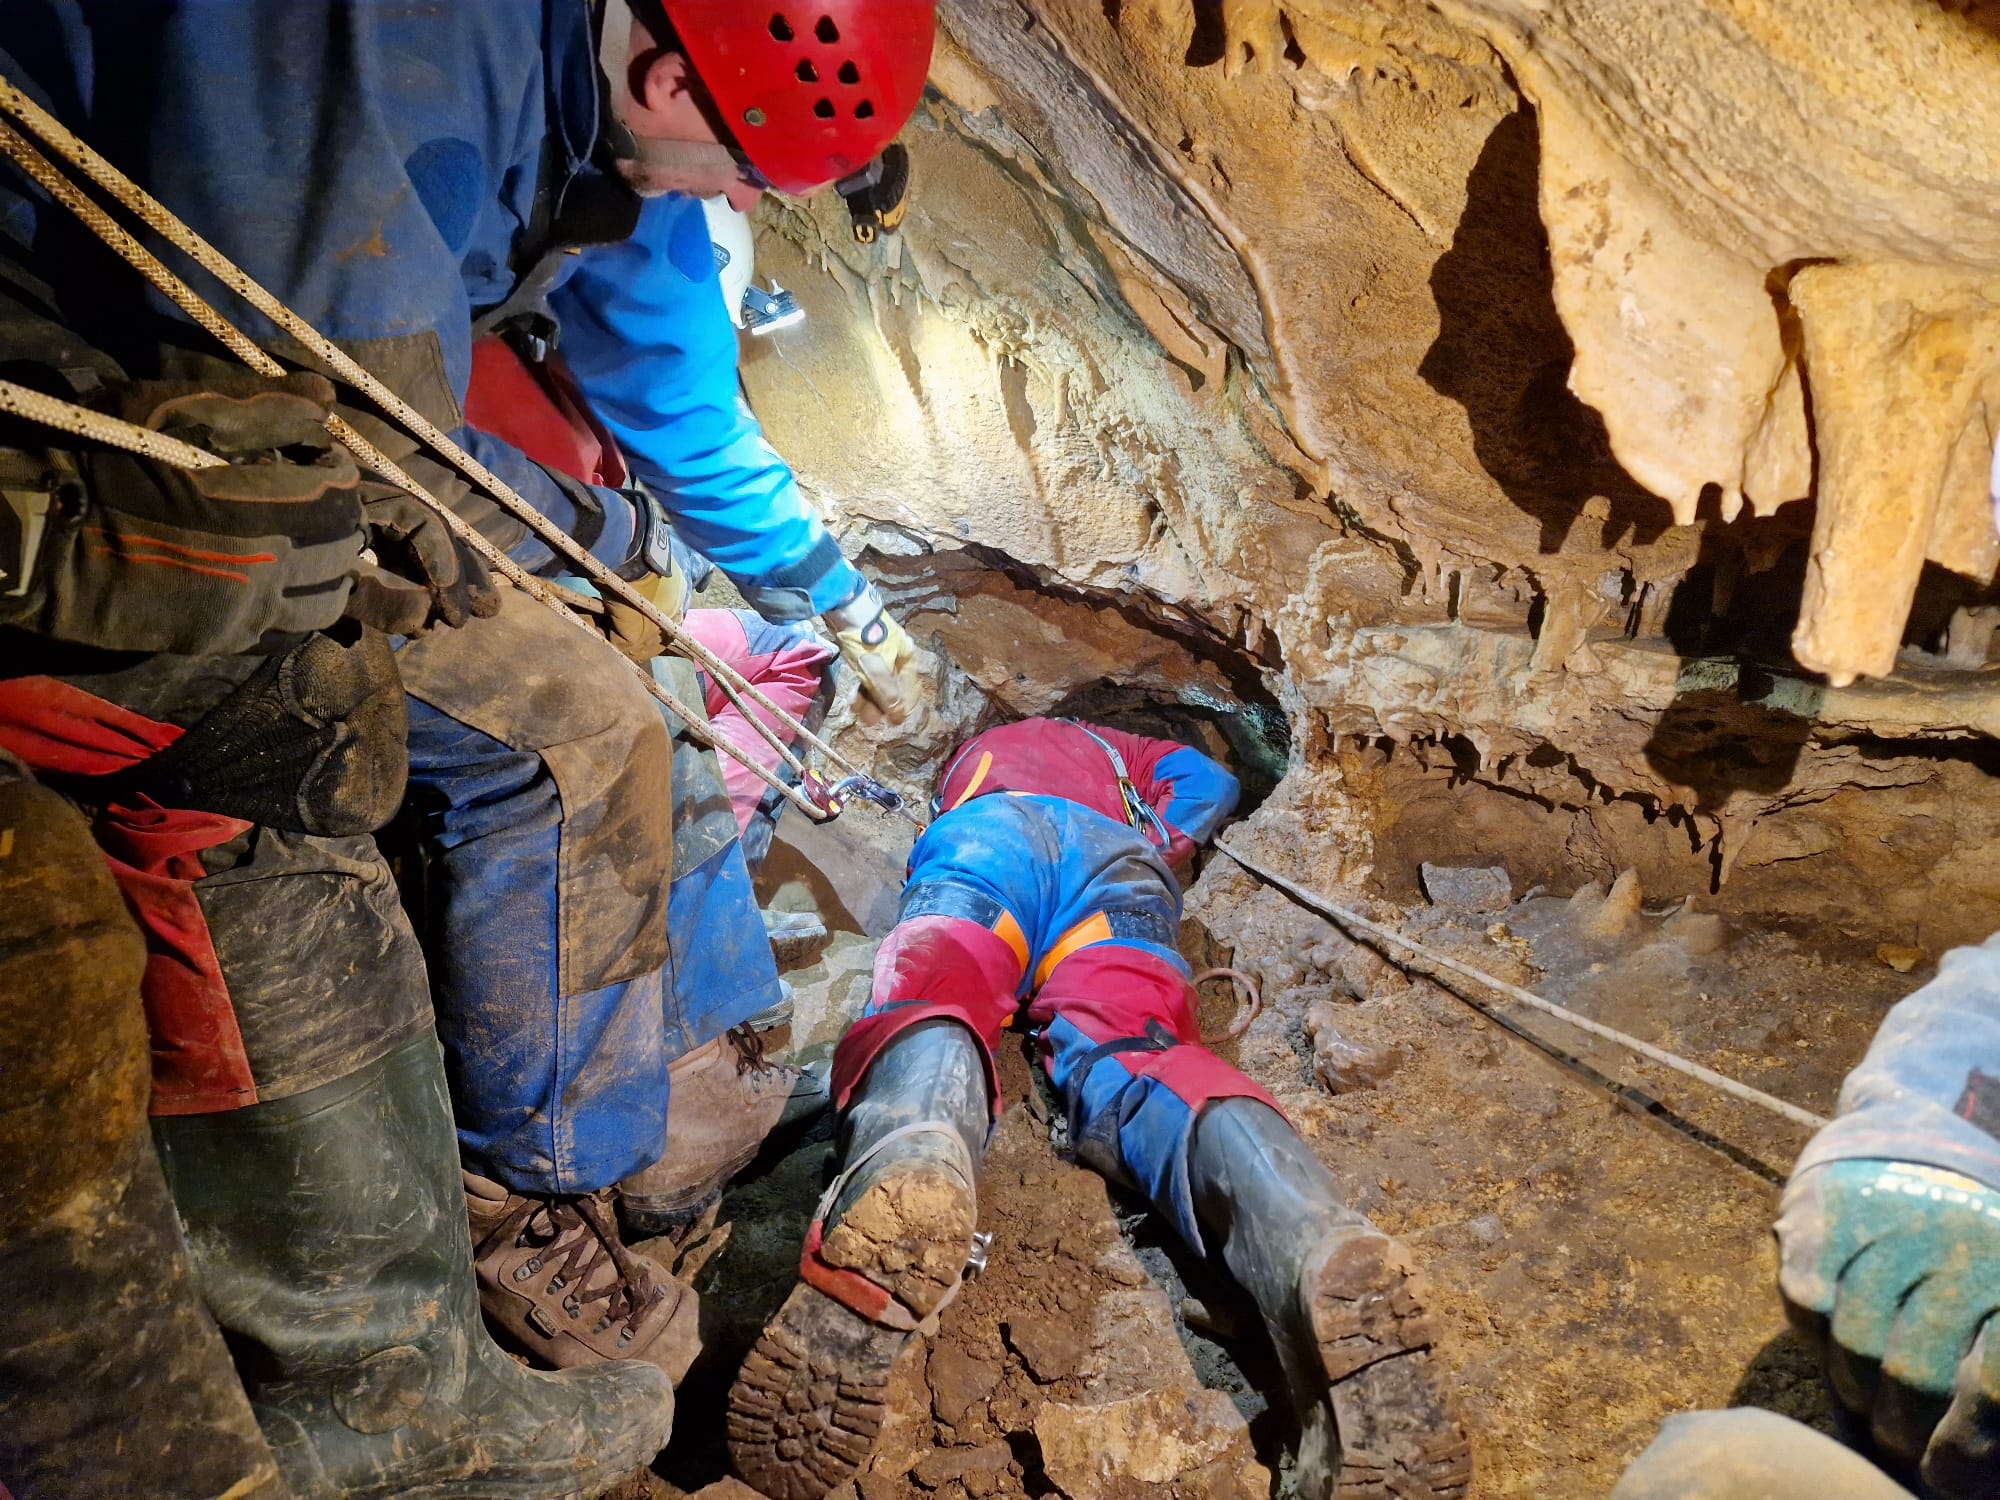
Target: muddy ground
x: 1601, y: 1259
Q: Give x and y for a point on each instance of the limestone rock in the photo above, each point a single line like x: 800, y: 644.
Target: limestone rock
x: 1489, y: 888
x: 1107, y: 1452
x: 958, y: 1382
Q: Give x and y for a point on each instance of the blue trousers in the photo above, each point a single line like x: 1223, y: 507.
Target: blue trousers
x: 582, y: 933
x: 1040, y: 901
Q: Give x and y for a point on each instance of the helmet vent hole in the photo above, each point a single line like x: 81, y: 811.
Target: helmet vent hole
x: 865, y: 110
x: 849, y: 74
x: 826, y: 31
x: 824, y: 109
x: 806, y: 72
x: 781, y: 29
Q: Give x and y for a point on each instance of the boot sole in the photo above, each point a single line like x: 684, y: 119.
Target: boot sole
x: 1398, y: 1434
x: 808, y: 1406
x: 809, y: 1403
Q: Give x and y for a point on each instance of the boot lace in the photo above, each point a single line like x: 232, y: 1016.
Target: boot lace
x: 749, y: 1045
x: 577, y: 1237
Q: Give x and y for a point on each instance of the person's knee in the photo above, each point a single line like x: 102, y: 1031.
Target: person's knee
x: 72, y: 1027
x: 1748, y: 1454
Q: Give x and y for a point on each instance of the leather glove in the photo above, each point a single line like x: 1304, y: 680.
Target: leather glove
x: 629, y: 632
x: 1893, y: 1272
x: 423, y: 574
x: 881, y: 653
x: 137, y: 555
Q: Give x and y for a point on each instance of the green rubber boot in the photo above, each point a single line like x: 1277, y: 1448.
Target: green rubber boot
x: 328, y: 1234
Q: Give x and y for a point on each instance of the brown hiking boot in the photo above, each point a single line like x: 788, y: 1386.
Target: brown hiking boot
x: 808, y: 1405
x: 555, y: 1275
x: 722, y: 1101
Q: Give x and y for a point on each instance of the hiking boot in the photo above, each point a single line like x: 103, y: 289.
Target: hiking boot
x: 723, y: 1100
x: 554, y: 1274
x: 1344, y: 1309
x: 328, y: 1235
x: 888, y: 1248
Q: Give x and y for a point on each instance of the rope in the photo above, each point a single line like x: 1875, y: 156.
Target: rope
x: 1347, y: 917
x: 732, y: 684
x: 31, y: 161
x: 33, y: 406
x: 1250, y: 987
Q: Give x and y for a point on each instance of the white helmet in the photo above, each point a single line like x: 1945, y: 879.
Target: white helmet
x: 735, y: 262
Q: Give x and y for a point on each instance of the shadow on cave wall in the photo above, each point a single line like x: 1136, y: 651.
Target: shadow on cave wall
x: 1502, y: 353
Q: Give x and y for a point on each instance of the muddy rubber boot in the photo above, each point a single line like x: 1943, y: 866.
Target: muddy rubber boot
x: 888, y: 1248
x: 113, y: 1378
x: 723, y: 1100
x: 328, y: 1233
x: 1343, y: 1307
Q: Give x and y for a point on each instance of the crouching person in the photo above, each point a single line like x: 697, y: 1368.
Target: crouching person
x: 1047, y: 878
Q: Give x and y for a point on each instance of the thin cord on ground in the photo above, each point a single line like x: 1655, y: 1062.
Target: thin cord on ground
x: 1347, y: 917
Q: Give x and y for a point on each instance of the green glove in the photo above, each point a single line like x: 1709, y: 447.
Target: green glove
x: 1893, y: 1271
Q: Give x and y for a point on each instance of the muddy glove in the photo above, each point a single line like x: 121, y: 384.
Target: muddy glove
x: 880, y: 651
x: 1893, y: 1271
x: 423, y: 574
x: 127, y: 553
x: 625, y: 629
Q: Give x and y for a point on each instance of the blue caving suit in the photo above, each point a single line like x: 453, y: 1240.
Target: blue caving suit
x: 389, y: 172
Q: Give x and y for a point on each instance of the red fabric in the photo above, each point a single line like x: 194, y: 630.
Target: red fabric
x: 1109, y: 991
x: 953, y: 968
x: 199, y: 1064
x: 1048, y: 758
x: 789, y: 677
x: 539, y: 410
x: 812, y: 93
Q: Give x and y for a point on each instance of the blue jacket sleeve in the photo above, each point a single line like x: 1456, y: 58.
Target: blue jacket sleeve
x: 1928, y: 1090
x: 374, y: 166
x: 1192, y: 793
x: 646, y: 336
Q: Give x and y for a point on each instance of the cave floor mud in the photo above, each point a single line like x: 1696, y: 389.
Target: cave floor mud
x: 1597, y: 1268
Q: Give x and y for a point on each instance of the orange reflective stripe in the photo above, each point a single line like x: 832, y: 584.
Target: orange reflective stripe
x: 1009, y: 932
x: 1095, y: 929
x: 979, y: 775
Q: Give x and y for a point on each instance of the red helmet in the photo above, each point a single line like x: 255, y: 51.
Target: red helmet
x: 811, y: 89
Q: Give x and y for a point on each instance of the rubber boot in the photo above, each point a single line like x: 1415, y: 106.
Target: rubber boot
x: 328, y: 1233
x: 889, y: 1247
x: 1343, y: 1307
x: 113, y: 1378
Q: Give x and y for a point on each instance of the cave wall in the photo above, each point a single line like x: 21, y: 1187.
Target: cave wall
x: 1225, y: 347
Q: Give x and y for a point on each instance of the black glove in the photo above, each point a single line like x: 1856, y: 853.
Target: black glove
x: 131, y: 554
x: 423, y: 574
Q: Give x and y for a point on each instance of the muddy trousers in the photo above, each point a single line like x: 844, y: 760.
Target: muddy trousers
x: 1747, y: 1454
x: 113, y: 1379
x: 588, y: 916
x: 1039, y: 899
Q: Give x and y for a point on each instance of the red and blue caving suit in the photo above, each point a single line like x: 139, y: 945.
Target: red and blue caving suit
x: 1041, y: 881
